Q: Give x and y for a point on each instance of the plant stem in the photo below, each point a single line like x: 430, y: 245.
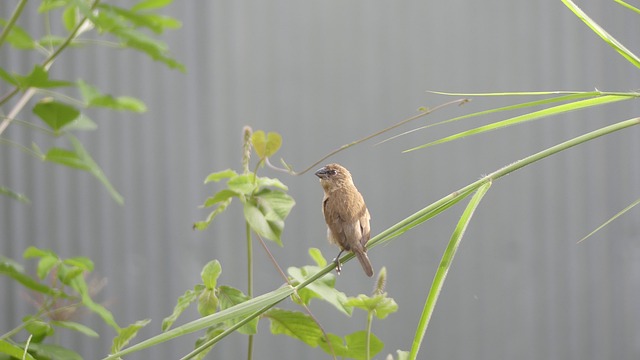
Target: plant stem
x: 369, y: 324
x: 249, y: 282
x: 12, y: 21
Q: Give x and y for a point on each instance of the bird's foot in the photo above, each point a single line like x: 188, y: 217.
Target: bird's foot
x: 338, y: 265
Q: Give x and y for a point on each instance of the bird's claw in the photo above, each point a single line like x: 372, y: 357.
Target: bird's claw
x: 338, y: 265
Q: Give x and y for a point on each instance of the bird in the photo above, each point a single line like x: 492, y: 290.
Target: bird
x: 346, y: 214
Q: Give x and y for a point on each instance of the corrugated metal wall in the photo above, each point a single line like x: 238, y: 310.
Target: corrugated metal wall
x: 323, y: 73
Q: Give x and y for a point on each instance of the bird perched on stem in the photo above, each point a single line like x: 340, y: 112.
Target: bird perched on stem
x: 346, y: 214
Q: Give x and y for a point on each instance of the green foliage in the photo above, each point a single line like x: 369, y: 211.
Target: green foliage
x: 60, y: 112
x: 60, y: 291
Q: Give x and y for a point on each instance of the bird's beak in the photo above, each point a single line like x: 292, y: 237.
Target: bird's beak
x: 321, y: 173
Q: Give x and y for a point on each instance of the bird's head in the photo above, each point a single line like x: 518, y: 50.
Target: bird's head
x: 334, y: 176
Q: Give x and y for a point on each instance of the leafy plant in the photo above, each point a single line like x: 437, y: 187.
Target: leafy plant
x: 58, y: 291
x: 61, y: 114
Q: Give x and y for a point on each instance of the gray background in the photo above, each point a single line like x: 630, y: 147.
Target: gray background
x: 324, y: 73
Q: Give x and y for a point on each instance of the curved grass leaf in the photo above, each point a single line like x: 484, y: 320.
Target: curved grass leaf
x: 444, y: 266
x: 621, y: 49
x: 622, y: 212
x: 576, y: 105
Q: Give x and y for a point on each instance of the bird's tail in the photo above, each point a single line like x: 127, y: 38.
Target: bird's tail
x: 364, y: 261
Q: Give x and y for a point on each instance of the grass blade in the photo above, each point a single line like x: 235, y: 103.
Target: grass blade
x: 610, y: 220
x: 443, y: 268
x: 576, y: 105
x: 621, y: 49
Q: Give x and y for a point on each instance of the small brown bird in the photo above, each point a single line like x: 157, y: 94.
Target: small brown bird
x: 345, y: 213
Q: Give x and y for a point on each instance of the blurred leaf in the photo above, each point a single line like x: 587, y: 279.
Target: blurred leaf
x: 230, y: 297
x: 154, y: 22
x: 244, y: 184
x: 210, y: 273
x: 266, y: 145
x: 296, y: 325
x: 18, y: 37
x: 157, y: 50
x: 55, y: 114
x: 323, y: 288
x: 220, y: 196
x: 317, y: 256
x: 14, y: 351
x: 183, y: 303
x: 53, y: 352
x: 211, y: 333
x: 70, y: 18
x: 81, y: 262
x: 94, y: 98
x: 34, y: 252
x: 207, y: 302
x: 8, y: 269
x: 67, y: 274
x: 76, y: 327
x: 14, y: 195
x: 39, y: 78
x: 265, y: 182
x: 79, y: 158
x: 150, y: 4
x: 217, y: 176
x: 79, y: 284
x: 45, y: 265
x: 82, y: 123
x: 4, y: 75
x: 38, y: 328
x: 201, y: 225
x: 126, y: 334
x: 354, y: 346
x: 380, y: 305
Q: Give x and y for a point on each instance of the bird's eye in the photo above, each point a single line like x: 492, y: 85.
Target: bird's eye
x: 332, y: 172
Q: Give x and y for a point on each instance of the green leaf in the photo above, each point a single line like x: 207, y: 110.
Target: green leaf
x: 443, y: 268
x: 201, y: 225
x: 81, y: 262
x: 81, y: 123
x: 217, y: 176
x: 207, y: 302
x: 79, y: 158
x: 380, y: 305
x: 628, y: 6
x: 38, y: 328
x: 76, y: 327
x: 14, y: 351
x: 323, y: 288
x: 266, y: 145
x: 34, y: 252
x: 622, y: 212
x: 70, y: 18
x: 157, y: 50
x: 243, y: 184
x: 266, y: 212
x: 12, y: 271
x: 18, y: 37
x: 183, y: 303
x: 4, y: 75
x: 53, y: 352
x: 55, y: 114
x: 154, y: 22
x: 317, y: 256
x: 45, y: 265
x: 220, y: 196
x: 230, y: 297
x: 14, y: 195
x: 126, y: 334
x: 79, y: 284
x: 354, y: 346
x: 210, y: 273
x: 265, y: 182
x: 150, y: 4
x: 211, y: 333
x: 94, y: 98
x: 296, y: 325
x: 39, y: 78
